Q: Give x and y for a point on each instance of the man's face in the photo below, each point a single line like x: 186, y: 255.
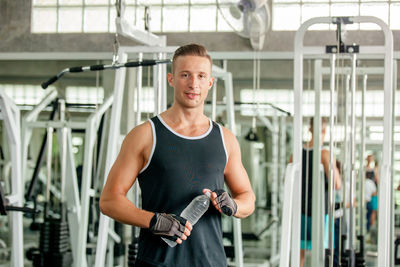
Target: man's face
x: 191, y: 80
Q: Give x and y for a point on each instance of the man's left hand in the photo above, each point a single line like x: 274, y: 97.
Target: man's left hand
x: 223, y: 202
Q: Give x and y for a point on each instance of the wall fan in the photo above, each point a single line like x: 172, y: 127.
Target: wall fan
x: 248, y: 18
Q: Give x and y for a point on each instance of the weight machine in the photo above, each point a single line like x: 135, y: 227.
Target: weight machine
x: 290, y: 246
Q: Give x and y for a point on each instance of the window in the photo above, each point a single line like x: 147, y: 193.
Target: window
x: 67, y: 16
x: 288, y: 15
x: 84, y: 95
x: 24, y: 94
x: 28, y: 94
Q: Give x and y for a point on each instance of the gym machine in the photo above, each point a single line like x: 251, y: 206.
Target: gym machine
x: 290, y: 246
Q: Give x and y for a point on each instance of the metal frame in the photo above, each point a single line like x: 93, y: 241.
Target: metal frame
x: 78, y: 207
x: 355, y: 72
x: 11, y: 117
x: 294, y: 169
x: 112, y: 146
x: 231, y: 55
x: 26, y: 132
x: 87, y: 191
x: 127, y: 29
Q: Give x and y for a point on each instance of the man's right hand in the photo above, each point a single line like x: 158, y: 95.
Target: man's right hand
x: 170, y: 226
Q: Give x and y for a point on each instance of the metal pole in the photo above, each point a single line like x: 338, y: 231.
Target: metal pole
x: 362, y: 158
x: 282, y: 155
x: 139, y: 90
x: 156, y: 87
x: 163, y: 83
x: 275, y: 181
x: 317, y: 196
x: 136, y: 192
x: 287, y: 213
x: 332, y: 164
x: 392, y: 159
x: 160, y: 96
x: 48, y: 167
x: 346, y: 165
x: 352, y: 155
x: 214, y: 100
x: 230, y: 110
x: 63, y: 151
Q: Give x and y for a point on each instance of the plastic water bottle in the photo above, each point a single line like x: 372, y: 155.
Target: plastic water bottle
x: 193, y: 212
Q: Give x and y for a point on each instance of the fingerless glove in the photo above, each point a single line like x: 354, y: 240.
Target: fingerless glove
x: 225, y: 202
x: 169, y: 226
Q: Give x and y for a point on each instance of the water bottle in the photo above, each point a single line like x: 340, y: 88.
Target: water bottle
x: 193, y: 212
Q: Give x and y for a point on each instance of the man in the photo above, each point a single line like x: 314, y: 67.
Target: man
x: 306, y: 192
x: 176, y: 156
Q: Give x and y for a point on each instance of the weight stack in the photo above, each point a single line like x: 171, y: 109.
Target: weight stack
x: 360, y: 260
x: 54, y: 246
x: 345, y: 258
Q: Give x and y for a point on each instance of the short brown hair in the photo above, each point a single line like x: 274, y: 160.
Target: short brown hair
x: 190, y: 50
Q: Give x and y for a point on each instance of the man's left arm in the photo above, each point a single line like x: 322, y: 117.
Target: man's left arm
x: 236, y: 179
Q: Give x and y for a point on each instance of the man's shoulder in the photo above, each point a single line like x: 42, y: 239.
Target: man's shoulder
x: 227, y: 133
x: 141, y: 128
x: 141, y: 133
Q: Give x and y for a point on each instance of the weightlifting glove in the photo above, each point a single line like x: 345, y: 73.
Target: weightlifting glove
x: 225, y: 202
x: 169, y: 226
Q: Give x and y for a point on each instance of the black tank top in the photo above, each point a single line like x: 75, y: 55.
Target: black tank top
x: 179, y: 168
x: 306, y: 184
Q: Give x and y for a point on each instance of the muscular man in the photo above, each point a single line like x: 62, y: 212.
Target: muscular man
x: 176, y: 156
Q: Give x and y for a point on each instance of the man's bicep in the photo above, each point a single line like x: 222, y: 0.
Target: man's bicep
x: 237, y: 180
x: 124, y: 170
x: 128, y: 163
x: 236, y: 176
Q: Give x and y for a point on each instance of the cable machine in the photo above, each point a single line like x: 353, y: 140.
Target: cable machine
x: 290, y: 246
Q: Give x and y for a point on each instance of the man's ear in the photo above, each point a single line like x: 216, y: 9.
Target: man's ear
x: 170, y: 79
x: 211, y: 82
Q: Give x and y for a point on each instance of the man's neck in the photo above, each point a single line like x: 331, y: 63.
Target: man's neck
x: 178, y: 115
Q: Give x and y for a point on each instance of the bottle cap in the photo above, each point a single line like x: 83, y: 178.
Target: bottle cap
x: 208, y: 194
